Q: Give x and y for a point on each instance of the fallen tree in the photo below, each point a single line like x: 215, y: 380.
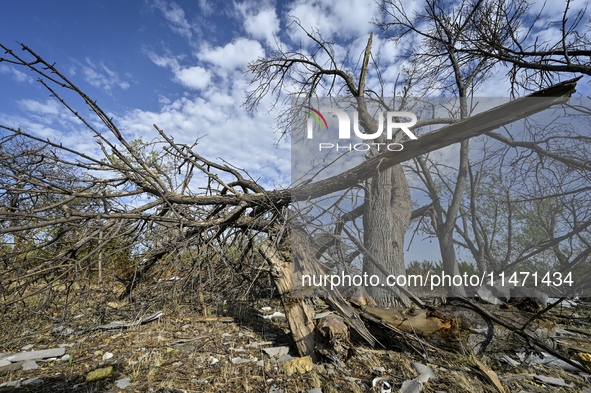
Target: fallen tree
x: 91, y: 216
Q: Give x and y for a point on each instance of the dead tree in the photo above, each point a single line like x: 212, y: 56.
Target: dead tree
x: 478, y: 36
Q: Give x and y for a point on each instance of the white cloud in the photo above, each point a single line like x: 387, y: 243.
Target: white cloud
x: 101, y: 77
x: 164, y: 61
x: 51, y: 120
x: 242, y: 140
x: 195, y: 77
x: 220, y: 60
x: 176, y: 16
x: 206, y: 7
x: 235, y: 55
x: 17, y: 75
x: 555, y: 9
x: 48, y: 107
x: 260, y: 20
x: 344, y: 19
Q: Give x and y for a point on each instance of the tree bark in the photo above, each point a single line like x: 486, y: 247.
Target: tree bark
x: 299, y: 312
x: 385, y: 220
x: 450, y: 265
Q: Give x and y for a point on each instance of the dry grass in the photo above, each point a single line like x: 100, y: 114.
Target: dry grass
x: 144, y: 354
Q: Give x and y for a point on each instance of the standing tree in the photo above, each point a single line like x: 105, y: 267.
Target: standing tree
x: 318, y: 73
x: 460, y: 46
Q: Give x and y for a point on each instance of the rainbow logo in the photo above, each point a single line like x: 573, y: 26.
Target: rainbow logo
x: 315, y: 117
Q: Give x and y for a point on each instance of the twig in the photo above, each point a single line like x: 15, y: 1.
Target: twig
x: 521, y: 333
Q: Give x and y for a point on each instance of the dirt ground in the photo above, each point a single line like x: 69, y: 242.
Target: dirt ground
x: 175, y: 353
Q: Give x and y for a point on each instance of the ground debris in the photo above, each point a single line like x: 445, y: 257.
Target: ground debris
x: 123, y: 383
x: 276, y: 351
x: 99, y: 373
x: 411, y: 386
x: 30, y: 365
x: 552, y: 381
x: 118, y: 325
x: 425, y: 372
x: 298, y: 365
x: 32, y: 355
x: 549, y: 361
x: 216, y: 356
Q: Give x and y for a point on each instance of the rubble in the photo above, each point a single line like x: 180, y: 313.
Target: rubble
x: 63, y: 331
x: 32, y: 381
x: 284, y: 358
x: 11, y: 384
x: 585, y: 358
x: 552, y: 381
x: 30, y: 365
x: 384, y: 383
x: 276, y: 351
x: 548, y: 361
x: 509, y: 361
x: 411, y: 386
x: 161, y: 348
x: 123, y: 383
x: 425, y: 372
x: 298, y: 365
x: 239, y: 360
x: 32, y: 355
x: 276, y: 314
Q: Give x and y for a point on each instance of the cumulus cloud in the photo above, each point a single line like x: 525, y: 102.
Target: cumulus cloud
x: 176, y: 16
x: 48, y: 107
x: 259, y: 20
x: 235, y: 55
x: 244, y: 141
x: 555, y: 9
x: 206, y: 7
x: 343, y: 19
x: 51, y: 120
x: 220, y: 60
x: 194, y: 77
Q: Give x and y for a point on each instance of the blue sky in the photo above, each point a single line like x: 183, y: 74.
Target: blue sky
x: 177, y: 64
x: 180, y: 65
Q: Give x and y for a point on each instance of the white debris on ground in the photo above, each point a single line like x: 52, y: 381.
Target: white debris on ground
x: 201, y: 352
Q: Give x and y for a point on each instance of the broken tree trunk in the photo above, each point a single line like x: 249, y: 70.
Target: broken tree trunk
x: 463, y: 329
x: 299, y: 312
x: 332, y: 340
x: 297, y: 300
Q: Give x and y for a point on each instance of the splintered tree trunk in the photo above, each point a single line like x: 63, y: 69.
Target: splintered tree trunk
x: 304, y: 262
x: 388, y: 210
x: 299, y: 312
x: 287, y: 269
